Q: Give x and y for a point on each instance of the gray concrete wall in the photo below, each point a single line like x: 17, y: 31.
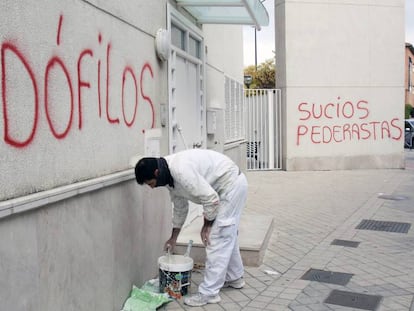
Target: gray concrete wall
x: 85, y: 252
x: 340, y: 65
x: 80, y: 84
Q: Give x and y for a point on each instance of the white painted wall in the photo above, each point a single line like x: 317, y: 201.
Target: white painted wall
x: 345, y: 57
x: 225, y: 49
x: 224, y: 57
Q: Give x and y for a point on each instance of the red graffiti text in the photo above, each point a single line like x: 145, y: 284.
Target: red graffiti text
x: 71, y: 81
x: 343, y: 122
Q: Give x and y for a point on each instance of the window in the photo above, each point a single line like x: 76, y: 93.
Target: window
x: 183, y: 40
x: 177, y: 37
x: 194, y: 47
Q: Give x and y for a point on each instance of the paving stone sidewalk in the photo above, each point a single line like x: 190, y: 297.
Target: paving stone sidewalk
x: 311, y: 210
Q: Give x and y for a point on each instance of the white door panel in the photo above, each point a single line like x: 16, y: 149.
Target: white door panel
x: 187, y: 111
x: 186, y: 94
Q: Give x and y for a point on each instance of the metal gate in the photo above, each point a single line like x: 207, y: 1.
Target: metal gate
x: 263, y: 129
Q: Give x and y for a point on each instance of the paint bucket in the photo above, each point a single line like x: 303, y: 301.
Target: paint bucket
x: 175, y: 274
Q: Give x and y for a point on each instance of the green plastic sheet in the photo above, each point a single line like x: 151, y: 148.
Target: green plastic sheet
x: 144, y: 300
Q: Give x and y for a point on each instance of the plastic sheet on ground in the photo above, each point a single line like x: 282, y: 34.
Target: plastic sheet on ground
x: 144, y: 299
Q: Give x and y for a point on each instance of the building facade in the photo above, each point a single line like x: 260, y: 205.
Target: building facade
x: 87, y: 88
x: 90, y: 86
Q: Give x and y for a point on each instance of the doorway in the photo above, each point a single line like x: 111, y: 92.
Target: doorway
x: 187, y: 113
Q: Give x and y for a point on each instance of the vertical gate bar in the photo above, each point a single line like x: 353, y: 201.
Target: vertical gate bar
x: 249, y: 129
x: 246, y: 115
x: 251, y: 124
x: 277, y: 138
x: 256, y: 132
x: 271, y: 129
x: 261, y: 128
x: 256, y: 129
x: 266, y: 129
x: 263, y: 121
x: 279, y: 117
x: 265, y: 132
x: 246, y: 99
x: 277, y: 141
x: 275, y: 129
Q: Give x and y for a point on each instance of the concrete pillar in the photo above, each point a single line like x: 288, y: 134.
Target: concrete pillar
x: 340, y: 65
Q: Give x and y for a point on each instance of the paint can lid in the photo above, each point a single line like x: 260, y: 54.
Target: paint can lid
x: 175, y: 263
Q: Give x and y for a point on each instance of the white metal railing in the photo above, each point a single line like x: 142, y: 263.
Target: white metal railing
x: 234, y: 117
x: 263, y: 128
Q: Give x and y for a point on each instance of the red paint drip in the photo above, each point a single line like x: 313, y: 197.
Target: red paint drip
x: 59, y: 29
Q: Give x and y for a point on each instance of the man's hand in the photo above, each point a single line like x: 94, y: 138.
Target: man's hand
x: 172, y: 241
x: 205, y: 231
x: 170, y: 245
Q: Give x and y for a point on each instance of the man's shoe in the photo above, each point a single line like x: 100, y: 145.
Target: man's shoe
x: 199, y: 299
x: 239, y: 283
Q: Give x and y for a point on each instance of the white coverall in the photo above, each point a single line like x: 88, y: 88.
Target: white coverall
x: 213, y: 180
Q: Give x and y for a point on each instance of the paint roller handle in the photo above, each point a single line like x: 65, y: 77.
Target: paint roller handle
x: 187, y: 252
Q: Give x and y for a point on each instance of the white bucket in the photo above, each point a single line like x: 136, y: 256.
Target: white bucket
x: 175, y: 274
